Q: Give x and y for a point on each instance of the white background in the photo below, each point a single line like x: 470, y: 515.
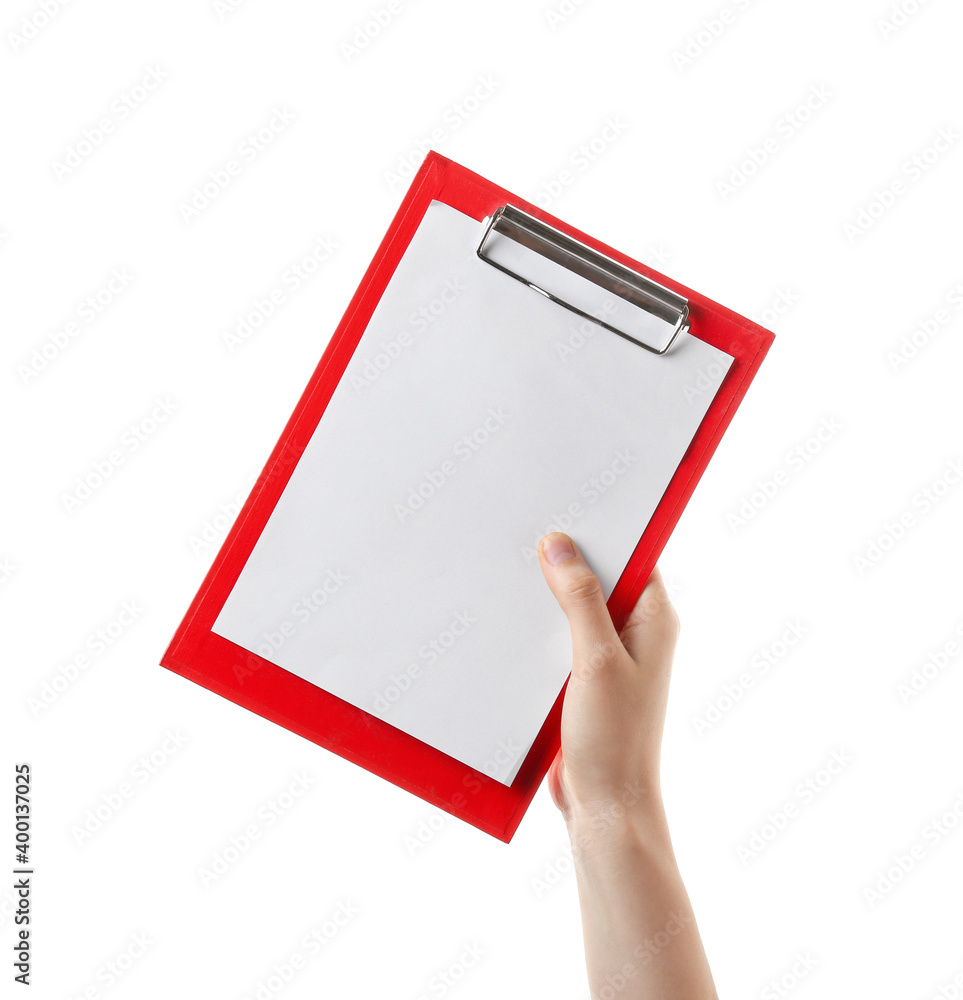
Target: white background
x: 791, y: 233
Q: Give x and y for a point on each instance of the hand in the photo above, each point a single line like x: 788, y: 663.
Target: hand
x: 615, y: 702
x: 641, y: 937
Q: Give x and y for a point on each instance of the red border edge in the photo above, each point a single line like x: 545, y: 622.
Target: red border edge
x: 197, y: 653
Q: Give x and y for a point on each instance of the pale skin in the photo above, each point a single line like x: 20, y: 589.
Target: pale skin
x: 640, y: 934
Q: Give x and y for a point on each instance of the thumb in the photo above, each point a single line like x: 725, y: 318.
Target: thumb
x: 579, y: 594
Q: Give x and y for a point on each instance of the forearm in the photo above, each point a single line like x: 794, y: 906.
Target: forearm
x: 641, y: 938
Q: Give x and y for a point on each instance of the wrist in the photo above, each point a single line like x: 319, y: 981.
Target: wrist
x: 611, y: 826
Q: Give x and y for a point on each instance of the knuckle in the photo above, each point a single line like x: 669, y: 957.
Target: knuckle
x: 654, y: 613
x: 584, y: 589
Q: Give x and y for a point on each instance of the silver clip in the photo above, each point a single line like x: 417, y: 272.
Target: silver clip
x: 640, y: 292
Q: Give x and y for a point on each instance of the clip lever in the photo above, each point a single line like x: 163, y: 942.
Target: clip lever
x: 645, y: 308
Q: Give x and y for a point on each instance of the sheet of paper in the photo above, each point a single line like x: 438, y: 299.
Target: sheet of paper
x: 398, y: 569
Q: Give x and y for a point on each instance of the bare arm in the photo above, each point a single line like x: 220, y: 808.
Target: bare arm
x: 641, y: 938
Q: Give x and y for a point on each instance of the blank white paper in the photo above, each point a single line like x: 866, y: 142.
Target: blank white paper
x: 398, y: 569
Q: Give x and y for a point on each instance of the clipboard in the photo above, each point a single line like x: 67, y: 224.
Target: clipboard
x: 497, y: 374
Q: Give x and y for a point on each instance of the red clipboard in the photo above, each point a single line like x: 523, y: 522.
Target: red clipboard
x: 254, y: 683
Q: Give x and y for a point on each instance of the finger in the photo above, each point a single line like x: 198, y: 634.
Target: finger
x: 579, y: 594
x: 554, y: 780
x: 652, y: 626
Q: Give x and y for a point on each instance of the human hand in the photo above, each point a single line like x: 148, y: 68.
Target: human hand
x: 637, y: 921
x: 614, y: 708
